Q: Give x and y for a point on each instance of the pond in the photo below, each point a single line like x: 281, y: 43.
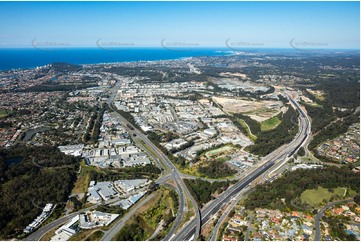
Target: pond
x: 31, y: 132
x: 13, y: 161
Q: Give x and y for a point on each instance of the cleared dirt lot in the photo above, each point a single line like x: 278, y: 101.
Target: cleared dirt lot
x: 257, y: 110
x: 230, y: 74
x: 319, y: 94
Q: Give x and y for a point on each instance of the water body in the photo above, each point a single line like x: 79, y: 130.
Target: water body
x: 31, y: 132
x: 13, y: 161
x: 21, y: 58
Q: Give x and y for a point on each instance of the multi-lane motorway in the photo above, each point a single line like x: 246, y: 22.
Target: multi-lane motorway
x: 174, y: 173
x: 192, y: 229
x: 211, y: 209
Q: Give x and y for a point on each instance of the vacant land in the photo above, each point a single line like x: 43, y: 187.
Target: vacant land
x: 49, y: 234
x: 220, y: 151
x: 316, y: 197
x: 191, y: 169
x: 87, y: 235
x: 235, y: 74
x: 319, y: 94
x: 309, y: 101
x: 263, y: 113
x: 270, y: 123
x: 144, y: 223
x: 81, y: 185
x: 249, y: 132
x: 257, y: 110
x: 212, y: 163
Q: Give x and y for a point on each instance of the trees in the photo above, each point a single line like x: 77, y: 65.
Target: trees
x: 301, y: 152
x: 216, y: 169
x: 333, y: 130
x: 254, y: 126
x: 98, y: 123
x: 131, y: 232
x: 202, y: 190
x: 45, y: 175
x: 321, y: 116
x: 285, y: 131
x: 292, y: 184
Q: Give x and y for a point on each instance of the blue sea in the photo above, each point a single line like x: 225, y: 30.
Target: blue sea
x: 16, y: 58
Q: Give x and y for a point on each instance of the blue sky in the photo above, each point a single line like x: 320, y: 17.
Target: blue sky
x: 203, y: 24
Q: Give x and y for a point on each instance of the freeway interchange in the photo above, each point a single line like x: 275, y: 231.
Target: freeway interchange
x: 212, y: 208
x: 192, y: 229
x: 174, y: 174
x: 163, y: 161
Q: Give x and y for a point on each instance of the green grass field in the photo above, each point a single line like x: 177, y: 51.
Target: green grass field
x: 81, y: 185
x: 270, y: 123
x: 219, y: 151
x: 148, y: 217
x: 87, y: 235
x: 4, y: 113
x: 245, y: 125
x: 317, y: 196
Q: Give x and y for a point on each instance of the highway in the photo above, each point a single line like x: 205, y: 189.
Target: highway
x: 192, y: 229
x: 112, y: 232
x: 225, y: 213
x: 183, y: 191
x: 178, y: 218
x: 320, y: 215
x: 36, y: 235
x: 211, y: 208
x: 174, y: 173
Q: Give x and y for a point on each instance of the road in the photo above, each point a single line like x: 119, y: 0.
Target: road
x: 249, y: 227
x: 320, y: 215
x: 46, y: 228
x: 174, y: 173
x: 178, y: 218
x: 194, y: 226
x: 181, y: 188
x: 225, y: 214
x: 269, y: 161
x: 50, y: 226
x: 112, y: 232
x: 183, y: 191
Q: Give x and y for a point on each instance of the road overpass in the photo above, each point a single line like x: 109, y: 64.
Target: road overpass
x: 272, y: 159
x: 183, y: 191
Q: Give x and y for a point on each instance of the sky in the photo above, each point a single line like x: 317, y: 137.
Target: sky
x: 180, y: 24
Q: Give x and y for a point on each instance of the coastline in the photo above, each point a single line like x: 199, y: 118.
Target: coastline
x: 26, y: 58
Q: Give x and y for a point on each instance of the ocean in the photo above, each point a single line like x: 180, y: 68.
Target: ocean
x: 22, y: 58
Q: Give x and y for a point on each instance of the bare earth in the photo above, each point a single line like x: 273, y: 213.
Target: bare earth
x: 229, y: 74
x: 257, y: 110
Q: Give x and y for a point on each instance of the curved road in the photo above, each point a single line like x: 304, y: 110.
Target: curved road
x: 225, y: 214
x: 175, y: 174
x: 320, y: 215
x: 212, y: 208
x: 112, y: 232
x: 193, y: 228
x: 50, y: 226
